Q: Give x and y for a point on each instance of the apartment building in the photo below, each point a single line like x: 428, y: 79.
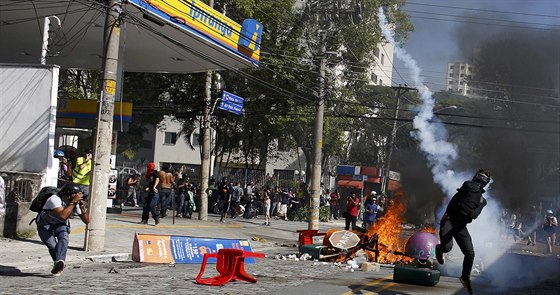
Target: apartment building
x: 458, y: 75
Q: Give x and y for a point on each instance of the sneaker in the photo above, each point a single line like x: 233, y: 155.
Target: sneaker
x: 439, y: 255
x: 143, y: 222
x: 466, y: 284
x: 157, y: 221
x: 58, y: 268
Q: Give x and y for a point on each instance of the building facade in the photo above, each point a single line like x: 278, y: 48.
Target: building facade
x: 458, y: 76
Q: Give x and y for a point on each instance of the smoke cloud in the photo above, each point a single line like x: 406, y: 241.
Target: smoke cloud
x: 441, y: 156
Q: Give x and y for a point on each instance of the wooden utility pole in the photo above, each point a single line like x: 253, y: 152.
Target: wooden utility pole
x: 318, y: 141
x: 95, y: 230
x: 400, y: 92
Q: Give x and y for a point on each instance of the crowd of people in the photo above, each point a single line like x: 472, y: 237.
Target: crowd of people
x: 527, y: 226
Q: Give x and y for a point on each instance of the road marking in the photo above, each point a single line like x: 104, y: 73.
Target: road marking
x: 371, y: 284
x: 82, y: 229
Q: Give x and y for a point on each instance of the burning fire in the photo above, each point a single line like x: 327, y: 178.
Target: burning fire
x: 388, y: 228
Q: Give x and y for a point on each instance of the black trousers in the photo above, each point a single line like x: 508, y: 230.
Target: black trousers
x: 350, y: 221
x: 449, y: 230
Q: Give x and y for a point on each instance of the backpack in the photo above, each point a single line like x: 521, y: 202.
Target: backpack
x: 41, y: 198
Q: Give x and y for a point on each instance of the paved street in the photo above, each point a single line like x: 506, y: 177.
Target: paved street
x: 25, y: 265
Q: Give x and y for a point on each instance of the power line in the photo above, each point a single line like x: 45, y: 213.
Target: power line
x: 485, y: 10
x: 482, y: 18
x: 486, y: 24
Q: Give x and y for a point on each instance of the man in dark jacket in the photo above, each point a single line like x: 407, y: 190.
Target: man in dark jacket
x: 465, y: 206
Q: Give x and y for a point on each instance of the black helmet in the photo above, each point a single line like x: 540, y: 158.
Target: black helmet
x: 70, y: 188
x: 482, y: 176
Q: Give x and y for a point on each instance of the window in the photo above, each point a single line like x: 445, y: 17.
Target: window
x: 170, y: 138
x: 196, y: 139
x: 450, y: 74
x: 382, y: 59
x: 461, y: 83
x: 374, y: 78
x: 451, y: 67
x: 376, y: 52
x: 470, y: 69
x: 468, y: 91
x: 462, y: 75
x: 462, y: 68
x: 460, y: 89
x: 380, y: 82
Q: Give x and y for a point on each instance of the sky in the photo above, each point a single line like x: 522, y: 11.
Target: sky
x: 445, y: 30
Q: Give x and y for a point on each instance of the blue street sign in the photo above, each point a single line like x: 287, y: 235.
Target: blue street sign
x: 232, y: 103
x: 232, y: 107
x: 230, y: 97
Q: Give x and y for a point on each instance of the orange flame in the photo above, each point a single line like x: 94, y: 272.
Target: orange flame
x: 388, y: 228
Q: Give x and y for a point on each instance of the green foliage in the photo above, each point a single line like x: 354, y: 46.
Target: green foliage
x: 324, y: 214
x: 26, y: 234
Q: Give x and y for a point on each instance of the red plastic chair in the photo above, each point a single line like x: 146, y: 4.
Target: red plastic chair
x: 230, y: 264
x: 306, y: 236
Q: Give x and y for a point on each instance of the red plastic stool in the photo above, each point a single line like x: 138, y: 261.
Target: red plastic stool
x: 230, y: 264
x: 306, y: 236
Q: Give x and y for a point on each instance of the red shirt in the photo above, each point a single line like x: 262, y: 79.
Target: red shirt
x: 353, y: 206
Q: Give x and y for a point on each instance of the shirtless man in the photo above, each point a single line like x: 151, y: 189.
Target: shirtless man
x: 166, y: 181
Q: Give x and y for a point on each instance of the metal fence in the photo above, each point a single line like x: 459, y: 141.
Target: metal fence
x: 21, y: 186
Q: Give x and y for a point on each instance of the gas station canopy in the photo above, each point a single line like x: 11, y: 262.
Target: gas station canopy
x: 169, y: 36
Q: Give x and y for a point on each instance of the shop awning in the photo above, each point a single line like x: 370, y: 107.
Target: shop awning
x: 350, y: 184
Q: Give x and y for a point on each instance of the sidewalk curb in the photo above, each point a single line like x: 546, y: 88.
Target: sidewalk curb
x: 110, y: 257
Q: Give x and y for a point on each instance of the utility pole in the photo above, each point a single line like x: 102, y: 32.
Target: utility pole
x: 45, y: 44
x: 205, y: 147
x: 95, y: 230
x: 400, y: 92
x: 318, y: 140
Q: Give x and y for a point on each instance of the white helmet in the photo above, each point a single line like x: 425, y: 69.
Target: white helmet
x: 373, y: 193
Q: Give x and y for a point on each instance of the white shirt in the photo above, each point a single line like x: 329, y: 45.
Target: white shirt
x: 48, y: 216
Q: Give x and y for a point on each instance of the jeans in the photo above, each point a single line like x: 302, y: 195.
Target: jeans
x: 165, y: 194
x: 448, y: 231
x: 150, y: 205
x: 132, y: 193
x: 182, y: 206
x: 334, y: 211
x: 233, y: 208
x: 55, y: 237
x: 275, y: 208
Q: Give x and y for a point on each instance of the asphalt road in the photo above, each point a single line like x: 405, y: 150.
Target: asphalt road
x: 25, y: 266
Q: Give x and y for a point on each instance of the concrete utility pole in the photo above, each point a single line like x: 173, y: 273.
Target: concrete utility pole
x: 318, y: 142
x: 95, y: 231
x: 45, y: 44
x: 205, y: 147
x: 400, y: 92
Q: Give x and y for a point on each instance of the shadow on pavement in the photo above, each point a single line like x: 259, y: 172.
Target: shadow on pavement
x: 10, y: 271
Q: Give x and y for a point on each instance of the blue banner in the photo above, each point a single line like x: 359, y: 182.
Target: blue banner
x: 191, y: 250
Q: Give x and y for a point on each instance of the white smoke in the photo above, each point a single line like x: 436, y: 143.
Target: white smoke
x: 441, y: 154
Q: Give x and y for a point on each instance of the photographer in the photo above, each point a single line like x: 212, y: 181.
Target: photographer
x: 549, y: 226
x: 82, y: 172
x: 53, y: 223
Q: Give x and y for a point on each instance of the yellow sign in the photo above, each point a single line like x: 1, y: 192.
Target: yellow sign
x: 87, y: 109
x: 201, y: 17
x: 110, y: 87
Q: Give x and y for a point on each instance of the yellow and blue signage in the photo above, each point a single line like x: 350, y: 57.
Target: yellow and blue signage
x: 153, y: 248
x: 87, y: 109
x: 251, y: 32
x: 231, y: 103
x: 196, y: 17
